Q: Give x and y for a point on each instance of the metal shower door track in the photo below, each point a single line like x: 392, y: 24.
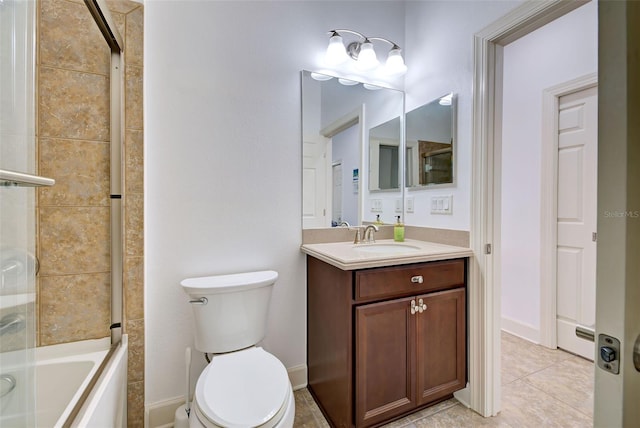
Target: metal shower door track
x: 106, y: 24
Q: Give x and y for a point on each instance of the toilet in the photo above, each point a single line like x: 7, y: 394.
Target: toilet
x: 243, y: 385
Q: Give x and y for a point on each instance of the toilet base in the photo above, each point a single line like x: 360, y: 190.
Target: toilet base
x: 181, y: 420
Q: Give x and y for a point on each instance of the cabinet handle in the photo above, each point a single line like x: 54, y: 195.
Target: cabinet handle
x: 414, y: 309
x: 418, y: 279
x: 421, y: 306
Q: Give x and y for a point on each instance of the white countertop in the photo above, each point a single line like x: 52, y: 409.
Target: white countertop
x: 350, y: 256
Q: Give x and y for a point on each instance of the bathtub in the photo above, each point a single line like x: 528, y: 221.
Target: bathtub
x: 62, y: 375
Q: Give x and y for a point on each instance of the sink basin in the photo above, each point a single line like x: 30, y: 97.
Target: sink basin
x: 387, y: 248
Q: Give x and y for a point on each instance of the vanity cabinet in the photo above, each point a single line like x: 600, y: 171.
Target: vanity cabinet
x: 384, y: 342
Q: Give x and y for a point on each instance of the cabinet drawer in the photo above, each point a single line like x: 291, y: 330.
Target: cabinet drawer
x: 398, y: 281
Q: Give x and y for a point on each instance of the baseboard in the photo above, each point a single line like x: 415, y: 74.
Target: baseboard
x: 464, y: 396
x: 161, y: 414
x: 298, y: 376
x: 520, y: 329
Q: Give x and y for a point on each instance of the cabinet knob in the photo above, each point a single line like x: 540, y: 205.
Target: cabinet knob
x: 418, y: 279
x: 414, y: 308
x: 421, y: 306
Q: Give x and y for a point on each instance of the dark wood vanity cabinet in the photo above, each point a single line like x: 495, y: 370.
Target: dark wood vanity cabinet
x: 383, y: 342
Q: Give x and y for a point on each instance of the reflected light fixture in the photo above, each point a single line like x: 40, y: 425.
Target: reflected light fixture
x: 361, y: 51
x: 446, y: 100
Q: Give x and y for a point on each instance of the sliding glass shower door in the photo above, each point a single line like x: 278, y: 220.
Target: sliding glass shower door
x: 17, y: 212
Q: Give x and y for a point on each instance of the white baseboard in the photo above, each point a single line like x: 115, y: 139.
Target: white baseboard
x: 161, y: 414
x: 298, y: 376
x: 521, y: 329
x: 464, y: 396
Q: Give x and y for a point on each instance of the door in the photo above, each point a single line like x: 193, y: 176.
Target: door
x: 314, y: 181
x: 441, y: 344
x: 336, y: 194
x: 385, y: 357
x: 577, y: 215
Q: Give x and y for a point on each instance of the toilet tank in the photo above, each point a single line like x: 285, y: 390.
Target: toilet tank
x: 230, y: 311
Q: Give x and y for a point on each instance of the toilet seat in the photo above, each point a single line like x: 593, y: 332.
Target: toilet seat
x: 248, y: 388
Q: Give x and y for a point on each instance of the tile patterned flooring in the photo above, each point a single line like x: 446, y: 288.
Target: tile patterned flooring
x: 540, y: 388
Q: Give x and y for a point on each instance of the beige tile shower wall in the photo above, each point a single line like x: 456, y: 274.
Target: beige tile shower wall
x: 73, y: 147
x: 134, y: 210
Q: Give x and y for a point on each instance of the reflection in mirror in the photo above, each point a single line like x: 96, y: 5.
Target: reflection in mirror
x: 384, y: 144
x: 338, y: 117
x: 430, y: 143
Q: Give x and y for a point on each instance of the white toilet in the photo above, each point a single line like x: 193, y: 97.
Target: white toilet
x: 243, y: 385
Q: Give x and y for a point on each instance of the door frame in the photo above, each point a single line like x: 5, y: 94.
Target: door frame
x: 484, y: 269
x: 549, y: 203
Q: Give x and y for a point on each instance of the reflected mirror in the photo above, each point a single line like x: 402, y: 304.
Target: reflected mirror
x: 430, y: 131
x: 339, y: 118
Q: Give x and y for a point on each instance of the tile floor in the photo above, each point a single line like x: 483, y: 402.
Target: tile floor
x: 540, y: 388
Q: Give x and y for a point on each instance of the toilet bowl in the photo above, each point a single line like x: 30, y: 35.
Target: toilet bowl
x: 243, y: 385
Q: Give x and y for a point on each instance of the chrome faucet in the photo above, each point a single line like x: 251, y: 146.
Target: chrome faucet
x: 12, y: 323
x: 369, y: 233
x: 344, y: 223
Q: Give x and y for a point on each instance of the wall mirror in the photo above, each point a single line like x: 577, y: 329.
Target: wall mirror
x: 430, y: 136
x: 339, y: 118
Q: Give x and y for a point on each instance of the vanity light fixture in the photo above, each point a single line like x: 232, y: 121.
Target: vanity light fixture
x: 362, y: 52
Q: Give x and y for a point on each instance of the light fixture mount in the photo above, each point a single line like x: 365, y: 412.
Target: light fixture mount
x: 353, y: 49
x: 362, y: 52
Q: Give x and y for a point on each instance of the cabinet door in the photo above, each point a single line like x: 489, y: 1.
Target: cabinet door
x: 441, y: 343
x: 385, y: 361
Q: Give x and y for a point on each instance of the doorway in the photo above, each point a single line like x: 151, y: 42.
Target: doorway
x: 485, y: 272
x: 534, y: 126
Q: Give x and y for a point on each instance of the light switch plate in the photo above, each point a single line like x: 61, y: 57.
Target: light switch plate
x: 409, y: 202
x: 442, y: 204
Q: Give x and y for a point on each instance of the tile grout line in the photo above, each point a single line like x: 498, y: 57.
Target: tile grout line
x: 553, y: 398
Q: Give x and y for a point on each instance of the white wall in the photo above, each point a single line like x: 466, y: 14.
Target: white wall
x: 439, y: 54
x: 223, y: 158
x: 556, y: 53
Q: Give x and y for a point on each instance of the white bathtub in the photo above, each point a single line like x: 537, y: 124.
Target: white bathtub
x: 62, y: 373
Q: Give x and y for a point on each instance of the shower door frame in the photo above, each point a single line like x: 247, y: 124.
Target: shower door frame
x: 106, y: 24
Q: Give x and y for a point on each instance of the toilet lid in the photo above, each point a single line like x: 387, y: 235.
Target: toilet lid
x: 242, y: 389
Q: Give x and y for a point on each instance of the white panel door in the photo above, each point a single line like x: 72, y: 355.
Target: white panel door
x: 314, y: 182
x: 577, y: 213
x: 336, y: 201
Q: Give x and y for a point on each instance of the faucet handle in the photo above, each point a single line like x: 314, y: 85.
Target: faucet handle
x: 357, y: 239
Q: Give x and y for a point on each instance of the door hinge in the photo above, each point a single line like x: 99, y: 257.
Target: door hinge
x: 594, y: 236
x: 487, y: 249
